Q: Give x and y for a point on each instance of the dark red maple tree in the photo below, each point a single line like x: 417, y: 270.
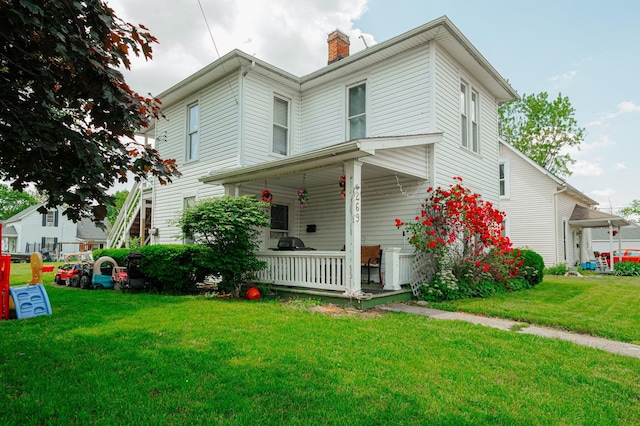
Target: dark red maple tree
x: 67, y: 117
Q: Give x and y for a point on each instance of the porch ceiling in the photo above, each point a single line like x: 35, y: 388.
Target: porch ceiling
x: 320, y: 167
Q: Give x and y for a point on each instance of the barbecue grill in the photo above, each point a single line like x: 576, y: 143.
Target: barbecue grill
x: 291, y: 244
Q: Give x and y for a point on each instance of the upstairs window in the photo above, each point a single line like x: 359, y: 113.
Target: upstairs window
x: 357, y: 116
x: 193, y: 137
x: 502, y: 178
x: 50, y: 218
x: 280, y: 126
x: 469, y: 108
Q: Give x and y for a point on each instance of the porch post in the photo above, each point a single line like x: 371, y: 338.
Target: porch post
x: 353, y: 218
x: 391, y: 260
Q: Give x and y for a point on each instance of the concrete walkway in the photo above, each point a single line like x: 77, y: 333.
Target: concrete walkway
x: 620, y: 348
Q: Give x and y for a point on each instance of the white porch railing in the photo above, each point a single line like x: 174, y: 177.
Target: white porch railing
x: 325, y: 270
x: 310, y: 269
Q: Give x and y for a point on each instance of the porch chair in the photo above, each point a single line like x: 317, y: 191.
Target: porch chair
x: 371, y: 257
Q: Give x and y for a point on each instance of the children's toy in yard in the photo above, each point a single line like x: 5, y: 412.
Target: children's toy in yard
x: 31, y: 300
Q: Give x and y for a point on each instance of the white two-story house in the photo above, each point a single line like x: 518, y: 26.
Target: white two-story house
x: 389, y: 121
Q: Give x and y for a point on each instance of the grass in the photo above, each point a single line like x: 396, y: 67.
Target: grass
x: 605, y: 306
x: 105, y: 357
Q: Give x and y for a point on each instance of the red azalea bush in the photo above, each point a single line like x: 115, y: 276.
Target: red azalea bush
x: 462, y: 235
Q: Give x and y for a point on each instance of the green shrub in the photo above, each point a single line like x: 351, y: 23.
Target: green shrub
x: 229, y: 227
x: 174, y: 269
x: 560, y: 269
x: 627, y: 269
x: 532, y: 270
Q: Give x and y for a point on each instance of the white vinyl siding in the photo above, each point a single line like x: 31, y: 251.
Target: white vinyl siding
x: 280, y: 126
x: 357, y: 111
x: 478, y: 170
x: 218, y: 149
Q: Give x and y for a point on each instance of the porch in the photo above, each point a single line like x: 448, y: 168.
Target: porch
x: 322, y: 275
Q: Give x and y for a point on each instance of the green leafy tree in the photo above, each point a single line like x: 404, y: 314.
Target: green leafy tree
x: 13, y: 202
x: 631, y: 212
x: 230, y: 227
x: 113, y: 210
x: 542, y: 129
x: 67, y: 117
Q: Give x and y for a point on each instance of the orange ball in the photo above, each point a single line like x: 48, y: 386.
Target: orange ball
x: 253, y: 294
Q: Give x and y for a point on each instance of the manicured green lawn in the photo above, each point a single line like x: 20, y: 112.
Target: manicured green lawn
x: 105, y: 357
x: 606, y: 306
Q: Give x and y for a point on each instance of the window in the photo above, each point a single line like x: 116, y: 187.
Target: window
x: 280, y: 126
x: 279, y: 223
x: 193, y: 137
x: 503, y: 171
x: 469, y: 116
x: 50, y: 218
x: 357, y: 112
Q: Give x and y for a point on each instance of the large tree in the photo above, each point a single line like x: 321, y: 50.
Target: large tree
x: 67, y: 117
x: 120, y: 198
x: 13, y: 202
x: 542, y: 129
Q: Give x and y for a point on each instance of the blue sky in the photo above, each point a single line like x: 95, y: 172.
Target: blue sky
x: 586, y: 50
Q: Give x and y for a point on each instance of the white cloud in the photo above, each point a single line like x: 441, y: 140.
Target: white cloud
x: 289, y: 34
x: 602, y: 194
x: 586, y: 168
x: 587, y: 149
x: 627, y: 106
x: 624, y: 107
x: 619, y: 166
x: 567, y: 76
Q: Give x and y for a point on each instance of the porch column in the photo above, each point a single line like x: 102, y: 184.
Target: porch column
x: 353, y: 219
x: 391, y: 276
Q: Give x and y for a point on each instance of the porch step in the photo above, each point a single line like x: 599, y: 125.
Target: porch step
x: 379, y: 296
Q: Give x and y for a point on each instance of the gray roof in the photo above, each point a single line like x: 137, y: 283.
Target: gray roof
x: 631, y: 232
x: 590, y: 218
x: 87, y: 230
x: 9, y: 231
x: 19, y: 216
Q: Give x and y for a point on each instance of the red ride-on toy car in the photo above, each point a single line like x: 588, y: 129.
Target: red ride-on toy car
x: 119, y: 277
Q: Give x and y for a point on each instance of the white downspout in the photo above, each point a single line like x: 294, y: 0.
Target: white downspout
x: 555, y: 222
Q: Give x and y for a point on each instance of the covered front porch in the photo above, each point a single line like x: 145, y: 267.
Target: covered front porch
x: 355, y: 191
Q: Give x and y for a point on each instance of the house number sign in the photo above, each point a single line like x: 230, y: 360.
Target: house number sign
x: 356, y: 205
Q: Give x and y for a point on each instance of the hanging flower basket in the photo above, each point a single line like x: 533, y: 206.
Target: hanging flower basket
x: 343, y: 182
x: 303, y: 197
x: 267, y: 197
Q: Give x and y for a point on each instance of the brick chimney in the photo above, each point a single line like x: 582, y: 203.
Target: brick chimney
x: 338, y: 46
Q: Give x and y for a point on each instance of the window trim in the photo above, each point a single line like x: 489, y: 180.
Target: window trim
x: 469, y: 110
x: 189, y: 155
x: 348, y: 107
x: 277, y: 97
x: 505, y: 166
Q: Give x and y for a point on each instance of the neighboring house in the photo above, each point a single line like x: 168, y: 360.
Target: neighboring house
x: 30, y: 231
x: 624, y: 237
x: 394, y: 119
x: 546, y: 214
